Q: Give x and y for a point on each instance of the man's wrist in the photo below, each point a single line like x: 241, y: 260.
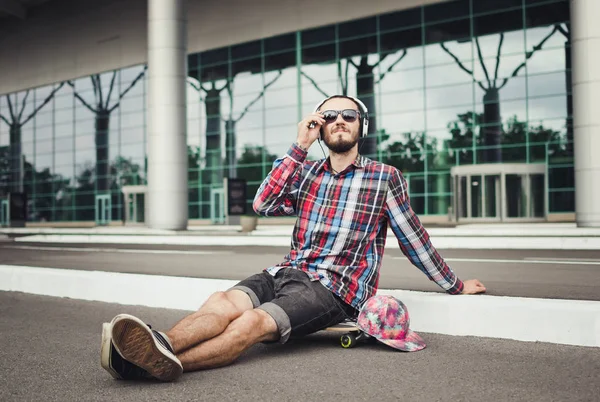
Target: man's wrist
x: 302, y: 146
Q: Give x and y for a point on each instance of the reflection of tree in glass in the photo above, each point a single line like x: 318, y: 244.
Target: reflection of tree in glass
x: 122, y: 172
x: 463, y: 137
x: 230, y: 122
x: 102, y: 110
x: 514, y: 140
x: 48, y: 193
x: 566, y: 32
x: 15, y: 121
x: 410, y: 154
x: 365, y: 91
x: 492, y: 120
x: 251, y: 165
x: 213, y: 126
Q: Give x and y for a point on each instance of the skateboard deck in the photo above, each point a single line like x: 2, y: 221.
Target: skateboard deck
x: 351, y: 334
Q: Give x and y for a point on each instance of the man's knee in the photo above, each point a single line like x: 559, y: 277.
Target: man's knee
x: 226, y: 304
x: 255, y: 326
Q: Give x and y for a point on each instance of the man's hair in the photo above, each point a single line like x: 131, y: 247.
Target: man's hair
x: 344, y: 97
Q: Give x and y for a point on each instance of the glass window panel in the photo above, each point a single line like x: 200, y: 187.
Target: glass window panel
x: 132, y: 120
x: 401, y: 122
x: 316, y: 79
x: 134, y: 135
x: 43, y: 131
x: 85, y: 149
x: 401, y: 81
x: 400, y: 39
x: 131, y: 103
x: 357, y: 28
x: 43, y: 160
x: 64, y: 163
x: 195, y: 113
x: 246, y: 50
x: 64, y: 144
x: 64, y: 130
x: 453, y: 30
x: 401, y: 19
x: 562, y: 201
x: 132, y: 151
x: 516, y: 197
x: 446, y: 75
x: 509, y: 20
x: 440, y: 111
x: 280, y: 61
x: 318, y: 54
x: 402, y: 101
x: 279, y: 43
x: 547, y: 14
x: 492, y: 6
x: 438, y: 55
x: 546, y: 84
x: 541, y: 108
x: 126, y: 76
x: 318, y: 35
x: 450, y: 10
x: 358, y: 47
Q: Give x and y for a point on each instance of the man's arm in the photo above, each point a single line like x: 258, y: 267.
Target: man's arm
x: 415, y: 243
x: 278, y: 192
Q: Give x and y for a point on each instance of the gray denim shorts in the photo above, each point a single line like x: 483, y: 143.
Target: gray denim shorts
x: 299, y: 305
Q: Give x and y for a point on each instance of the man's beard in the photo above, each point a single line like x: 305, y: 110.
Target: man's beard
x: 340, y: 146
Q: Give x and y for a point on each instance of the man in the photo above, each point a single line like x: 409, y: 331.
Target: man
x: 344, y: 205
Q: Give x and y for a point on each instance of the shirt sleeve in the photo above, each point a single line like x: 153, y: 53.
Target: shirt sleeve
x: 278, y: 193
x: 413, y: 238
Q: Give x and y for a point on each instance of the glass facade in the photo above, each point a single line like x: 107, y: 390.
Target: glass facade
x: 455, y: 83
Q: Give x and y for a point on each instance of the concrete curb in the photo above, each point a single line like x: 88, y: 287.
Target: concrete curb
x: 568, y: 322
x: 441, y: 242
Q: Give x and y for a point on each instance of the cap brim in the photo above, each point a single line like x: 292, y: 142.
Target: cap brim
x: 412, y: 343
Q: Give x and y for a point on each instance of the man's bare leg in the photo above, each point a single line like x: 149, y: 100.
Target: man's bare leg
x: 219, y: 310
x: 250, y: 328
x: 149, y: 349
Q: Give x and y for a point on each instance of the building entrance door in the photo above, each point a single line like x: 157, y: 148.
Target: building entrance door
x: 134, y: 204
x: 217, y: 205
x: 103, y: 209
x: 4, y: 215
x: 499, y: 192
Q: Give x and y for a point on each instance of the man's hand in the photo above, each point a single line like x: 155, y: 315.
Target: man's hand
x: 472, y: 286
x: 307, y: 135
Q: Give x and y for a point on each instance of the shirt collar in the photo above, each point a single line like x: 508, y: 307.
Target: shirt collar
x: 359, y: 163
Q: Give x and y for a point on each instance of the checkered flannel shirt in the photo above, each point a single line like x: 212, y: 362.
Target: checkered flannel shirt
x: 340, y: 233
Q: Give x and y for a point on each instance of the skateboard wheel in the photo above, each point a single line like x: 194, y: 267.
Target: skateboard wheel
x: 348, y: 341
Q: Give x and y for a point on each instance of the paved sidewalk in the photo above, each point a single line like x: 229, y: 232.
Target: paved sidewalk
x: 52, y: 350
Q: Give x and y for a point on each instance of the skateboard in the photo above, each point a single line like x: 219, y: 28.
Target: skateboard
x: 351, y: 334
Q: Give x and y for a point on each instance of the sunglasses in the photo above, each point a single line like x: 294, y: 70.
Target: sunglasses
x: 349, y: 115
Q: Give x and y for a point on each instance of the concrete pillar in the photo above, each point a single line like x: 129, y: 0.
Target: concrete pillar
x: 585, y: 38
x: 167, y: 196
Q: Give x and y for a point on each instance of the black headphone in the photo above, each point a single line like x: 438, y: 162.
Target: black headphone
x: 364, y: 113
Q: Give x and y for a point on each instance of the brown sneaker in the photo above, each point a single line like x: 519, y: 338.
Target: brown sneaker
x: 113, y: 362
x: 149, y: 349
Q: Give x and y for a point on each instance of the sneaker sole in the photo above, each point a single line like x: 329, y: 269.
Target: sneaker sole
x: 105, y: 351
x: 134, y: 341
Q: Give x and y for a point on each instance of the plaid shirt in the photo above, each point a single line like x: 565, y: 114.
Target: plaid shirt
x: 340, y: 233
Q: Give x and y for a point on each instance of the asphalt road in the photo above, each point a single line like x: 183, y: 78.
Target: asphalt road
x: 51, y: 352
x: 525, y: 273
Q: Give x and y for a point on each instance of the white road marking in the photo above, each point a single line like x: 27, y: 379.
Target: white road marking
x: 523, y: 261
x: 120, y: 250
x: 565, y: 259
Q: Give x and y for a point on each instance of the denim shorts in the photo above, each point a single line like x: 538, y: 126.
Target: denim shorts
x: 299, y: 305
